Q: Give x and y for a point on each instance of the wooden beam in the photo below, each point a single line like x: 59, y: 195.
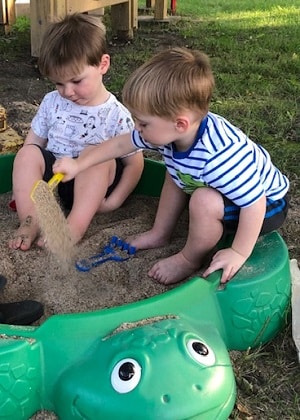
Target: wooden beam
x: 88, y: 5
x: 123, y: 12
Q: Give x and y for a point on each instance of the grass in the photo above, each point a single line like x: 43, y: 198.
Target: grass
x: 255, y: 53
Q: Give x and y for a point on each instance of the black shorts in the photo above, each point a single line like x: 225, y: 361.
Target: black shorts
x: 66, y: 189
x: 276, y: 212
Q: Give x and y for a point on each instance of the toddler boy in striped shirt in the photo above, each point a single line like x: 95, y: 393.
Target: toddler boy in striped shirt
x: 229, y: 183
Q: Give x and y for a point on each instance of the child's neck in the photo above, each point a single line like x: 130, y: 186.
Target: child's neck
x: 101, y: 97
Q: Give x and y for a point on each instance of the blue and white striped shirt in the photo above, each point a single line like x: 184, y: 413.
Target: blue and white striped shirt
x: 224, y: 158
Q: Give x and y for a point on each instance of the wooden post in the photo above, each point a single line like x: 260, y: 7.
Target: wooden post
x: 8, y: 14
x: 160, y: 11
x: 40, y: 13
x: 2, y: 11
x: 150, y: 3
x: 134, y: 13
x: 121, y: 20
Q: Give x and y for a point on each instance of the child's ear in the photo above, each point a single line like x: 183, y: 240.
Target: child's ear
x: 182, y: 123
x: 104, y: 63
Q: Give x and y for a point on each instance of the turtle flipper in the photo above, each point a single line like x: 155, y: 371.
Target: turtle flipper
x: 20, y: 373
x: 255, y: 302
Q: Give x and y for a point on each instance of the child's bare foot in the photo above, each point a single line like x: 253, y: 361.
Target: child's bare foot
x: 41, y: 242
x: 25, y: 235
x: 172, y: 269
x: 147, y: 240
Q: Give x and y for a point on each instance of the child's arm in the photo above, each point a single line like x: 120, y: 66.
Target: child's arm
x: 110, y: 149
x: 230, y: 260
x: 132, y: 171
x: 32, y: 138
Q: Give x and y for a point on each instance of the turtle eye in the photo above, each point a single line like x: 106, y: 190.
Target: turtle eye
x: 201, y: 352
x: 126, y: 375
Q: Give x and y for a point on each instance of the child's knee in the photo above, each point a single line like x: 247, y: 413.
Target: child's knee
x: 206, y: 200
x: 28, y: 154
x: 205, y: 195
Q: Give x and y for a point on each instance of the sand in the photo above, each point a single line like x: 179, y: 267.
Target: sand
x: 38, y: 274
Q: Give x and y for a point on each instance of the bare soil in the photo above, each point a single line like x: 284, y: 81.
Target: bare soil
x: 36, y: 274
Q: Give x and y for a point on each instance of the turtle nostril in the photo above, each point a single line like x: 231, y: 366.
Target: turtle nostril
x: 166, y: 398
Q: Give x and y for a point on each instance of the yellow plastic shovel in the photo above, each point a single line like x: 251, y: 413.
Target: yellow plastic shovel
x: 52, y: 183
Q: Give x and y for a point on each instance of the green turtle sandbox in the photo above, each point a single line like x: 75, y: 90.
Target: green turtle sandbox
x: 165, y: 357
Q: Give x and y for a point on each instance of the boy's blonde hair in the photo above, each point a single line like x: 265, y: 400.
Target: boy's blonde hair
x: 70, y: 43
x: 172, y: 81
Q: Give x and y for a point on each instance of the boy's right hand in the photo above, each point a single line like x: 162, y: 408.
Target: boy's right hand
x: 68, y: 166
x: 228, y: 260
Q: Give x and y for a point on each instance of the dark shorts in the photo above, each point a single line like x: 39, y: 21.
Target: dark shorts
x: 276, y: 213
x: 66, y: 189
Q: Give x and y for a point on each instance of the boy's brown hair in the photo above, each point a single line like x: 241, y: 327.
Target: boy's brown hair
x: 70, y: 43
x: 172, y: 81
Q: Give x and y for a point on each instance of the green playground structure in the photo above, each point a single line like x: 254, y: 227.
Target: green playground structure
x: 165, y: 357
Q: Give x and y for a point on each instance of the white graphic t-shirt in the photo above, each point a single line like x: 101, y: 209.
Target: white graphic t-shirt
x: 69, y: 127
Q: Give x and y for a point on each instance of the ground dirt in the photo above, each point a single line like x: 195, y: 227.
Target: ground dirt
x: 36, y: 274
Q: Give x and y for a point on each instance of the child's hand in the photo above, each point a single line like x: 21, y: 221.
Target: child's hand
x: 227, y: 259
x: 67, y: 166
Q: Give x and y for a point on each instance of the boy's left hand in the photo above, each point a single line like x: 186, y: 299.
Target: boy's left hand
x: 228, y: 260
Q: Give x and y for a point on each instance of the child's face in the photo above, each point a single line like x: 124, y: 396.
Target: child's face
x: 85, y: 88
x: 157, y: 131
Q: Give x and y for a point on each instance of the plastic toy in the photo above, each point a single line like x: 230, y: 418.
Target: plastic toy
x: 52, y: 184
x: 295, y: 273
x: 165, y: 357
x: 115, y: 250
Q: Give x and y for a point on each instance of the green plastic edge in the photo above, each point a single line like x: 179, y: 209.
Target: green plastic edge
x: 150, y: 183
